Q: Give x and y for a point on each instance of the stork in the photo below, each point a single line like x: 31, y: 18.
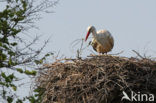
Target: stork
x: 102, y: 41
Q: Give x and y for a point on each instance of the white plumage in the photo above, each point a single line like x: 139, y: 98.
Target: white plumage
x: 102, y: 41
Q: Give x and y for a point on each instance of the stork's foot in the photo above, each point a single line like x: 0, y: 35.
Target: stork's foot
x: 103, y: 54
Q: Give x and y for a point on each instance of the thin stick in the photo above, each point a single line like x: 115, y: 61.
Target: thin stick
x: 138, y: 54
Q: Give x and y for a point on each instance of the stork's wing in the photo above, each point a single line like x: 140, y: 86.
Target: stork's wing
x: 105, y: 38
x: 94, y: 44
x: 111, y: 41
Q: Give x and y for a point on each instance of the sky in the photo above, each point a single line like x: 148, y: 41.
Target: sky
x: 131, y: 22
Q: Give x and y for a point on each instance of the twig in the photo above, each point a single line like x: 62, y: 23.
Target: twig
x: 138, y: 54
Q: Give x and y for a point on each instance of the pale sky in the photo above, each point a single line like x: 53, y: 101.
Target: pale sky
x: 131, y: 22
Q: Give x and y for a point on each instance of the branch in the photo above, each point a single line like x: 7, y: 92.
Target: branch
x: 138, y: 54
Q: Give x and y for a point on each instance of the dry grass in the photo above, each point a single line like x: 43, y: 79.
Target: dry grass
x: 96, y: 79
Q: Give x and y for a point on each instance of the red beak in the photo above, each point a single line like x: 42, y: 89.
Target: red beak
x: 87, y: 35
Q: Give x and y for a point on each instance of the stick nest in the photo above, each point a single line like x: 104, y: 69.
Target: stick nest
x: 97, y: 79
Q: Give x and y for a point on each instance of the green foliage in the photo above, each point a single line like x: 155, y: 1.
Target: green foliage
x: 19, y: 101
x: 9, y: 99
x: 19, y: 70
x: 9, y: 78
x: 37, y: 98
x: 28, y: 72
x: 33, y: 72
x: 13, y: 20
x: 40, y: 61
x: 9, y: 19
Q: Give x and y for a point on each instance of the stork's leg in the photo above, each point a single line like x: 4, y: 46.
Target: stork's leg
x: 104, y: 54
x: 107, y: 54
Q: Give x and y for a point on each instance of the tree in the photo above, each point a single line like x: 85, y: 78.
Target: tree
x: 16, y: 54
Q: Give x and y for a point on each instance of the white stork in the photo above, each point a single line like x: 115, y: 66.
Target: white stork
x: 102, y: 41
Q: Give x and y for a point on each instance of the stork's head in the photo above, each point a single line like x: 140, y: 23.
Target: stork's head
x: 90, y: 29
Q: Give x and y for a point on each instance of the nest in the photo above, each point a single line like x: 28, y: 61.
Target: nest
x: 97, y: 79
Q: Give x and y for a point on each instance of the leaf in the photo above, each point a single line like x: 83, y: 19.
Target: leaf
x: 14, y: 87
x: 10, y: 99
x: 0, y: 44
x: 19, y: 101
x: 3, y: 75
x: 13, y: 44
x: 7, y: 79
x: 19, y: 70
x: 2, y: 83
x: 39, y: 61
x: 11, y: 53
x: 10, y: 62
x: 33, y: 72
x: 11, y: 76
x: 47, y: 55
x: 31, y: 99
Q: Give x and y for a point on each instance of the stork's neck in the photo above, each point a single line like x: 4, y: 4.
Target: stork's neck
x: 94, y: 33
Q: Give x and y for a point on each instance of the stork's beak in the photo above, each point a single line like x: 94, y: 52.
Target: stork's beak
x: 87, y: 35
